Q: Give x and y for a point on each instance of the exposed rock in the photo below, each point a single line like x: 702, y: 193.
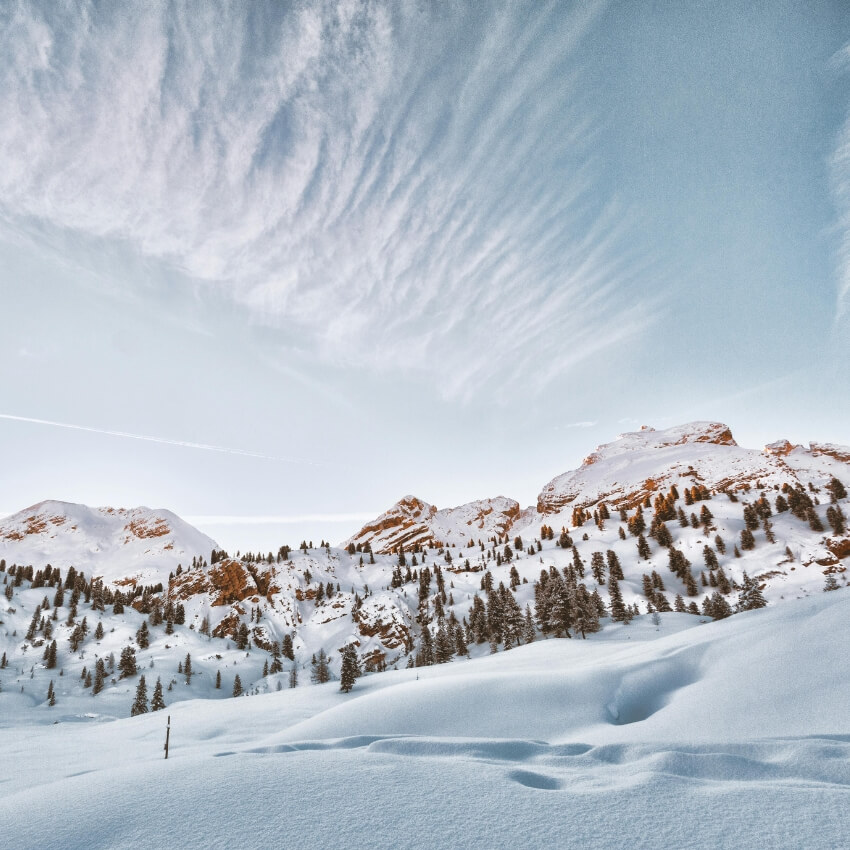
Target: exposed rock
x: 781, y: 448
x: 839, y: 548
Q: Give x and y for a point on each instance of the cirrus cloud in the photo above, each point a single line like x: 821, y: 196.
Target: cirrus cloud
x: 394, y: 186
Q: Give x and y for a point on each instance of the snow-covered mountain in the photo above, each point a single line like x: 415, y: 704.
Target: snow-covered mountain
x: 681, y: 518
x: 115, y: 544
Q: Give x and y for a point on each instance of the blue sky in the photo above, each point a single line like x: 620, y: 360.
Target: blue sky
x: 381, y: 248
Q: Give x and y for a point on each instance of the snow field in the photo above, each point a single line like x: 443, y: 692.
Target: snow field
x: 729, y: 734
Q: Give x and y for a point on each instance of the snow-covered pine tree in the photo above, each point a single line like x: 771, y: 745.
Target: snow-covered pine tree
x: 831, y: 583
x: 350, y: 668
x: 618, y: 608
x: 127, y: 663
x: 320, y: 672
x: 750, y: 596
x: 140, y: 705
x: 157, y: 701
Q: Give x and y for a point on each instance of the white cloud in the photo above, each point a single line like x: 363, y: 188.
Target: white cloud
x: 403, y: 187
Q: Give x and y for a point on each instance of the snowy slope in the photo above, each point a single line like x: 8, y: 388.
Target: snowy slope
x: 113, y: 543
x: 725, y: 735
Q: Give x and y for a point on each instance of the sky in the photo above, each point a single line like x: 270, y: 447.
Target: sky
x: 275, y: 265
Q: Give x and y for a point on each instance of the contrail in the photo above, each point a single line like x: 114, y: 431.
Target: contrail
x: 163, y: 440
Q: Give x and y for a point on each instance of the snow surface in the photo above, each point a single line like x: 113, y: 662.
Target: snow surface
x: 724, y: 735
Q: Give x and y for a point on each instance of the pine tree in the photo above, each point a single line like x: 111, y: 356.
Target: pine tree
x: 51, y: 694
x: 597, y: 567
x: 614, y: 568
x: 836, y: 489
x: 720, y: 608
x: 835, y: 517
x: 98, y: 632
x: 350, y: 668
x: 237, y: 686
x: 187, y: 669
x: 140, y: 706
x: 127, y: 663
x: 293, y: 677
x: 143, y: 636
x: 157, y: 701
x: 750, y: 596
x: 814, y: 520
x: 618, y: 609
x: 320, y: 673
x: 747, y: 540
x: 99, y: 676
x: 443, y: 645
x: 528, y: 626
x: 831, y: 583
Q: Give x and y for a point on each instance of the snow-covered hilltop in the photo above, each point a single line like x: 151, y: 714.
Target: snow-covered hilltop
x: 410, y: 521
x: 645, y: 462
x: 111, y: 543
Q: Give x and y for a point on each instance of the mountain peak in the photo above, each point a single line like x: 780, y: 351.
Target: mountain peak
x: 715, y: 433
x: 108, y: 542
x: 411, y: 521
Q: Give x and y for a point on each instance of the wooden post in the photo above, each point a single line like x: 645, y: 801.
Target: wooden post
x: 167, y: 735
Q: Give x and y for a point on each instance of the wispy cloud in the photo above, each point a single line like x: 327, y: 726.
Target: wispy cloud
x: 164, y: 440
x: 840, y: 173
x: 398, y: 186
